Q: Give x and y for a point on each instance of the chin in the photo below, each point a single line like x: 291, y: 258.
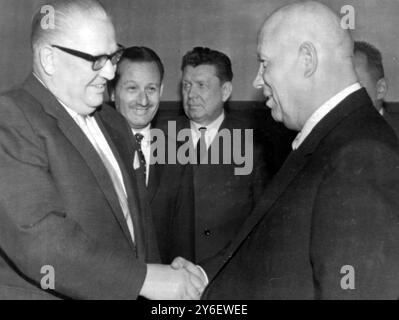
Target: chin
x: 277, y: 117
x: 95, y: 103
x: 195, y: 115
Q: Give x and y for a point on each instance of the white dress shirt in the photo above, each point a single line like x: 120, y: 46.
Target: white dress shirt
x: 212, y: 130
x: 321, y: 112
x: 146, y: 148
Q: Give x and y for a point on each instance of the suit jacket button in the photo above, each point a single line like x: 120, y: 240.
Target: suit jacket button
x: 207, y: 232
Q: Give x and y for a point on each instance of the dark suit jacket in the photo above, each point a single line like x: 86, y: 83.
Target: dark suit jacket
x: 391, y: 115
x: 58, y: 206
x: 169, y: 194
x: 222, y: 201
x: 335, y: 202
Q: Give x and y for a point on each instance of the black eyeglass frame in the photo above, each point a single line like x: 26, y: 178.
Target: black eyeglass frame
x: 98, y: 61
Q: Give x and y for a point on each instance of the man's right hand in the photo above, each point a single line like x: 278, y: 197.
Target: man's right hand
x: 162, y: 282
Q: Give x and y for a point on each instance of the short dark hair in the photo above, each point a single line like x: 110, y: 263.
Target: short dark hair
x: 201, y: 55
x: 138, y: 54
x: 374, y: 58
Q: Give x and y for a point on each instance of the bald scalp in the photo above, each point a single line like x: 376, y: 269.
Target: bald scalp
x: 306, y: 42
x: 69, y: 17
x: 312, y: 22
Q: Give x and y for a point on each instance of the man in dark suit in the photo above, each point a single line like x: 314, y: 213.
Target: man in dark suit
x: 327, y: 225
x: 371, y: 75
x: 223, y: 196
x: 136, y: 91
x: 68, y: 207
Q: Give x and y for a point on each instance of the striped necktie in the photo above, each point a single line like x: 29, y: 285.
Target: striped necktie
x: 201, y: 146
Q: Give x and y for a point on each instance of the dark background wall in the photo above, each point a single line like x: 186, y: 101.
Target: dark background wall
x: 172, y: 27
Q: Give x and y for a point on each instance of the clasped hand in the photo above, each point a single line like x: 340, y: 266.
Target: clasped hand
x: 182, y: 280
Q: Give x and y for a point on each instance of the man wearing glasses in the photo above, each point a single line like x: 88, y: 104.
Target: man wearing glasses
x: 71, y: 224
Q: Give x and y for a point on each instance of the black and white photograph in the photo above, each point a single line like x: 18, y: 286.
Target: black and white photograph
x: 207, y: 150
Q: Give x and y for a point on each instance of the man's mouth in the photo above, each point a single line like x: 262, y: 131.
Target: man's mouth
x: 99, y: 86
x: 141, y: 109
x: 270, y: 102
x: 193, y: 105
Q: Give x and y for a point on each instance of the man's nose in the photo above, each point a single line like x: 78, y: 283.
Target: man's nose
x: 143, y: 99
x: 258, y: 81
x: 108, y: 71
x: 191, y: 92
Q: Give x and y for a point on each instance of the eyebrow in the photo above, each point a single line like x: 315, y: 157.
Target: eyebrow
x: 127, y: 82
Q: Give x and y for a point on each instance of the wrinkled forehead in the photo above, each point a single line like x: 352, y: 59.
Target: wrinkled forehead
x: 266, y: 42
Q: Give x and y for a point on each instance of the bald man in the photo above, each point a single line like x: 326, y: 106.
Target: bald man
x: 327, y: 226
x: 71, y: 221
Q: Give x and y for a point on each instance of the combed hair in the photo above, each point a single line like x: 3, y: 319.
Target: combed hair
x: 137, y: 54
x: 201, y: 55
x: 64, y: 12
x: 374, y: 58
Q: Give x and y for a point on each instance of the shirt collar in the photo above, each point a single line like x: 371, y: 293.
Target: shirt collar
x: 38, y: 78
x: 215, y: 125
x: 321, y: 112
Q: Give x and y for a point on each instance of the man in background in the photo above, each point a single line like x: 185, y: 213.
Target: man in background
x: 371, y: 75
x: 223, y: 199
x: 136, y: 91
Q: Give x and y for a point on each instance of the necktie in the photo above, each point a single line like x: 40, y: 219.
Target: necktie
x: 116, y: 181
x: 201, y: 145
x: 139, y: 137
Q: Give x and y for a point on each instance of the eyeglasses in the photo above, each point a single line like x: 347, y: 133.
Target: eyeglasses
x: 98, y: 61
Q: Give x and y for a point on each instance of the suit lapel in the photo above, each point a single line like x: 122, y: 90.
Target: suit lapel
x: 391, y: 121
x: 78, y: 139
x: 156, y: 170
x: 290, y: 169
x: 132, y: 192
x: 294, y: 164
x: 153, y: 180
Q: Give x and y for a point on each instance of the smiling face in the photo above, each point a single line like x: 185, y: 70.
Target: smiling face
x: 203, y: 93
x: 74, y: 82
x: 138, y: 92
x: 278, y: 78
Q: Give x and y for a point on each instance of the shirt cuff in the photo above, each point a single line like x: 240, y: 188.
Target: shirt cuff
x: 204, y: 273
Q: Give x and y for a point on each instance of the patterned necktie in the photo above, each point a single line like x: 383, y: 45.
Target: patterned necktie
x: 116, y: 181
x: 139, y: 137
x: 201, y: 145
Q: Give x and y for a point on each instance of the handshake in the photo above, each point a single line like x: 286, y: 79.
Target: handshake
x: 181, y: 280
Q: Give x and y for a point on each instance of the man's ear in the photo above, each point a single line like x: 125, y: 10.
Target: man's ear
x: 382, y: 89
x: 46, y: 59
x: 227, y: 88
x: 161, y: 90
x: 308, y: 56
